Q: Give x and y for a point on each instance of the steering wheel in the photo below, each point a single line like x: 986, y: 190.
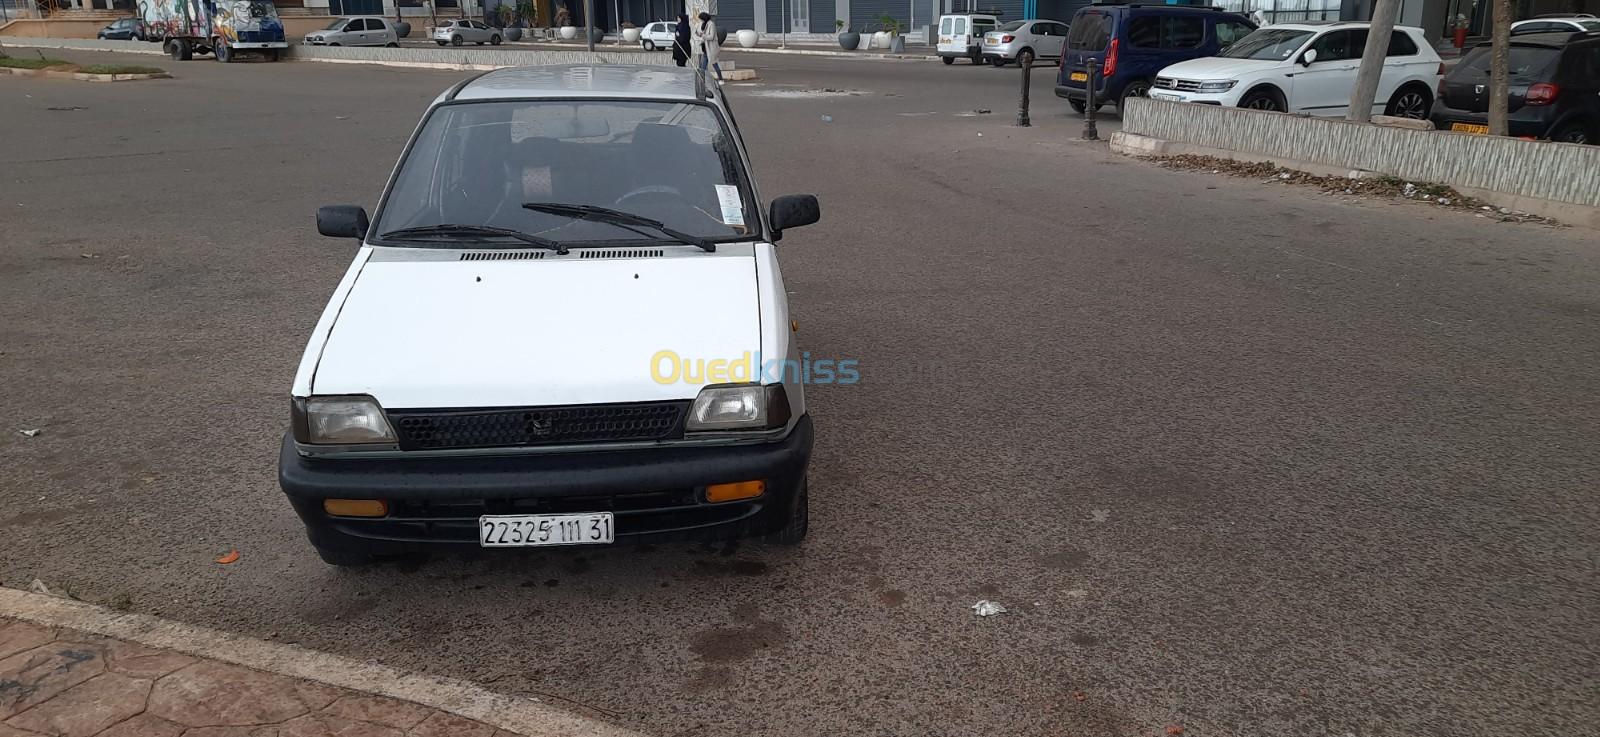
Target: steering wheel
x: 659, y: 192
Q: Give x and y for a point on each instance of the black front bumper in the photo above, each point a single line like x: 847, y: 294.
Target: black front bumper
x: 657, y: 494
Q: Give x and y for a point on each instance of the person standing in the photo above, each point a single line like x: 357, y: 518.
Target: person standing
x: 709, y: 48
x: 681, y: 40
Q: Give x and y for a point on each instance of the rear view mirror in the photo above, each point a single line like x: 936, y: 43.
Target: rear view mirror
x: 793, y: 211
x: 342, y: 221
x: 1309, y: 58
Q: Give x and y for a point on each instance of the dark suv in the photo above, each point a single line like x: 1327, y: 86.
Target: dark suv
x: 1133, y: 42
x: 1555, y: 89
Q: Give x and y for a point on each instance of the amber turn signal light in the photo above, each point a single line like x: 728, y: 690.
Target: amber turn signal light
x: 355, y: 507
x: 735, y: 491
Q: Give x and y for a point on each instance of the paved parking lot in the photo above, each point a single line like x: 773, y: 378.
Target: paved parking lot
x: 1238, y: 457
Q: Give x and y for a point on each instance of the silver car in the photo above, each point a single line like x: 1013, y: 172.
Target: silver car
x: 457, y: 32
x: 355, y: 32
x: 1023, y: 41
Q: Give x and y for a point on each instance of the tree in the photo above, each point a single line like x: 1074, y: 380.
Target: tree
x: 1372, y: 57
x: 1500, y: 68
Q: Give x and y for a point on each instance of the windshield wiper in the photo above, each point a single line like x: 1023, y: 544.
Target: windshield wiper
x: 620, y: 218
x: 451, y: 229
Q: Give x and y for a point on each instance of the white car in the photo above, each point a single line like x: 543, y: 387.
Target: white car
x: 1307, y: 68
x: 355, y: 32
x: 458, y: 32
x: 1576, y: 23
x: 1023, y: 41
x: 565, y: 325
x: 961, y: 36
x: 657, y: 35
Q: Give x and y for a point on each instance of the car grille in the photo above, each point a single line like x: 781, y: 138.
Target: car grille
x: 533, y: 426
x: 1181, y: 85
x: 259, y: 36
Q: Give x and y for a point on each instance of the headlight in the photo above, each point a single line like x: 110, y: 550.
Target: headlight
x: 1218, y: 85
x: 340, y: 421
x: 743, y: 407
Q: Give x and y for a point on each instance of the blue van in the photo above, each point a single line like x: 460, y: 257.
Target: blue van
x: 1131, y: 43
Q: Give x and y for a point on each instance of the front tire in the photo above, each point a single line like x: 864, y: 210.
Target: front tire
x: 1409, y: 102
x: 1136, y: 88
x: 222, y: 52
x: 648, y: 45
x: 1263, y: 99
x: 494, y: 40
x: 948, y: 60
x: 391, y: 45
x: 799, y: 522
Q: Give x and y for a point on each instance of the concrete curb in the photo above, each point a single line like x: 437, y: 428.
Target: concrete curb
x: 522, y: 716
x: 81, y: 76
x: 1133, y: 144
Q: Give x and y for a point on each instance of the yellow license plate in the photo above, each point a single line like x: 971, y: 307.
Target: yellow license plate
x: 1482, y: 130
x: 1079, y: 76
x: 990, y: 42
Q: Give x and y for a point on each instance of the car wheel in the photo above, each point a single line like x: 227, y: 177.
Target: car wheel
x: 948, y: 60
x: 1078, y: 106
x: 178, y: 49
x: 799, y: 523
x: 392, y: 45
x: 442, y: 43
x: 333, y: 44
x: 1409, y: 102
x: 222, y: 52
x: 456, y: 40
x: 1575, y: 132
x: 1025, y: 58
x: 494, y: 40
x: 648, y: 45
x: 1263, y: 100
x: 1136, y: 88
x: 999, y: 62
x: 100, y: 36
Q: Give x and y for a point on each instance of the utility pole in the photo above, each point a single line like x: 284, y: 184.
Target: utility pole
x: 1366, y: 89
x: 1499, y: 68
x: 588, y: 23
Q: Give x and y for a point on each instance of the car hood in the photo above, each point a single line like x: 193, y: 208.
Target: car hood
x: 416, y: 331
x: 1216, y: 67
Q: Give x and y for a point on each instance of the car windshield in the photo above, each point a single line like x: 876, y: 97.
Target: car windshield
x: 1012, y: 26
x: 1524, y: 62
x: 336, y: 24
x: 480, y: 163
x: 1272, y: 44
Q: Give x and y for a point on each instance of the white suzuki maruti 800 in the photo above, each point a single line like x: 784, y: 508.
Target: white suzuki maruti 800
x: 565, y: 325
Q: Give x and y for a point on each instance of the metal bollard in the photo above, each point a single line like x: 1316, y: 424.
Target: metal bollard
x: 1022, y: 110
x: 1092, y: 68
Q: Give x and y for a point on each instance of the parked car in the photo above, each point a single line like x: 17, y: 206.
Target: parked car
x: 365, y: 31
x: 1556, y: 24
x: 458, y: 32
x: 657, y: 36
x: 1555, y: 89
x: 122, y: 29
x: 1023, y: 41
x: 499, y: 366
x: 1308, y: 68
x: 1131, y: 43
x: 961, y: 36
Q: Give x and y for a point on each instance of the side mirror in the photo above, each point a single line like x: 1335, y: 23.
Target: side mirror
x: 1308, y: 58
x: 793, y: 211
x: 342, y: 221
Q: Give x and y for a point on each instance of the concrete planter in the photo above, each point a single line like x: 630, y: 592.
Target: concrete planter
x: 630, y: 35
x: 513, y: 33
x: 849, y: 41
x: 569, y: 32
x: 748, y: 38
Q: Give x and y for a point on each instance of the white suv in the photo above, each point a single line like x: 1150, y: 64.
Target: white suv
x: 1307, y: 68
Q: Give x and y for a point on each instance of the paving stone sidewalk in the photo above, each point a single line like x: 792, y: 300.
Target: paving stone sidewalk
x: 57, y: 681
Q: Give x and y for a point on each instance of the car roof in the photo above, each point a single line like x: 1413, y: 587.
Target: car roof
x: 638, y: 81
x: 1323, y: 25
x: 1552, y: 39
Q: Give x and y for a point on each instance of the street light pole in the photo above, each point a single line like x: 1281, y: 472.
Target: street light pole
x: 588, y: 23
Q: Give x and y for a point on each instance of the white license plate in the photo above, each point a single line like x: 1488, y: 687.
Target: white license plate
x: 1162, y: 96
x: 524, y: 530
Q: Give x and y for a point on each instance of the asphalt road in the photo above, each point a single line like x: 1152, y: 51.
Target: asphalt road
x: 1238, y: 457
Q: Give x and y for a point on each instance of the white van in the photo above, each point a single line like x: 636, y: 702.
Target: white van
x: 961, y: 36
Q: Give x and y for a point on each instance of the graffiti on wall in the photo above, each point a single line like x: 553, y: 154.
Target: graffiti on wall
x: 230, y: 20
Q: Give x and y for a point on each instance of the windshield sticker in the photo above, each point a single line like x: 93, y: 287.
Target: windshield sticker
x: 732, y: 207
